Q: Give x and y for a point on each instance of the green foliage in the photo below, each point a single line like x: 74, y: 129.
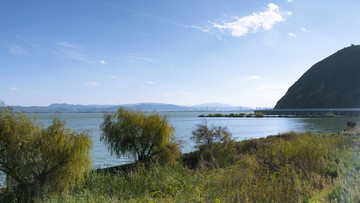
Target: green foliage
x: 329, y: 115
x: 236, y: 115
x: 337, y: 195
x: 144, y: 184
x: 259, y: 115
x: 289, y: 167
x: 332, y: 170
x: 203, y: 135
x: 37, y: 159
x: 212, y: 143
x: 231, y: 115
x: 145, y: 137
x: 250, y: 115
x: 266, y: 170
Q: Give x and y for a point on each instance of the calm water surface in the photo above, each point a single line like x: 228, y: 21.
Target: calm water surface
x: 185, y: 122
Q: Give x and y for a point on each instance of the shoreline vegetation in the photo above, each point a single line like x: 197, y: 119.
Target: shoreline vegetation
x: 260, y: 115
x: 231, y: 115
x: 288, y: 167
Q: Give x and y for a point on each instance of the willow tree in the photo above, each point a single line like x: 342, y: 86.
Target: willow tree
x: 145, y: 137
x: 33, y: 156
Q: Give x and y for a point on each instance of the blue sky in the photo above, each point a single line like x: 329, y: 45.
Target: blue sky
x: 244, y: 53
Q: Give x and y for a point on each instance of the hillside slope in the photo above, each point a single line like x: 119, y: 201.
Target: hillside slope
x: 331, y: 83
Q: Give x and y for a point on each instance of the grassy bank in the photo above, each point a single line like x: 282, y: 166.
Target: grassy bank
x: 285, y: 168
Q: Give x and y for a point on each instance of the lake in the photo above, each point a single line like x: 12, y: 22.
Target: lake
x: 185, y: 122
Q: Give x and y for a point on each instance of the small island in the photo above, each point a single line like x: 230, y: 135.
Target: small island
x: 232, y: 115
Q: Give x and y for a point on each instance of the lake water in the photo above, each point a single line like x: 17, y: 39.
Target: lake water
x: 185, y: 122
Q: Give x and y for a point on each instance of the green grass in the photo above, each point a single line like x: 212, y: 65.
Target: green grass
x: 285, y: 168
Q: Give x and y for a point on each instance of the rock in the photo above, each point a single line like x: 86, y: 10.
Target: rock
x: 351, y: 124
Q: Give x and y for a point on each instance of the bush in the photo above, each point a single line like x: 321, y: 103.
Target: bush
x: 250, y: 115
x: 329, y: 115
x: 203, y: 135
x: 36, y: 159
x: 259, y: 115
x: 211, y: 142
x: 145, y: 137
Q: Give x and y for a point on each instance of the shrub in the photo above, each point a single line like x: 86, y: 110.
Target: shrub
x: 250, y: 115
x: 329, y: 115
x: 259, y: 115
x: 211, y: 142
x: 203, y: 135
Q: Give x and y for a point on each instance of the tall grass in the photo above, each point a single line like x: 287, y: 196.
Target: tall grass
x: 289, y: 167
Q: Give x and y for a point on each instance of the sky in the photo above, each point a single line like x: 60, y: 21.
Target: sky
x: 184, y: 52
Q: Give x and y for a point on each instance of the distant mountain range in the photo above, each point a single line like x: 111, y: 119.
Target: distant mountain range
x: 71, y: 108
x: 331, y: 83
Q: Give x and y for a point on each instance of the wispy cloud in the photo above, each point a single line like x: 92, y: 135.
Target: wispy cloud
x: 14, y: 89
x: 203, y: 29
x: 253, y: 77
x: 160, y: 19
x: 72, y: 51
x: 77, y: 56
x: 32, y: 44
x: 102, y: 61
x: 91, y: 84
x: 256, y: 21
x: 304, y: 29
x: 289, y: 1
x: 16, y: 49
x: 66, y: 44
x: 114, y: 77
x: 291, y: 34
x: 148, y: 84
x: 240, y: 27
x: 28, y: 42
x: 140, y: 58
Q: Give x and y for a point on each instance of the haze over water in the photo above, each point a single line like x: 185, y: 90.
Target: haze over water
x: 185, y: 122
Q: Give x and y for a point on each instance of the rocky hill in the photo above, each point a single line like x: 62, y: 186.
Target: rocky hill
x: 331, y: 83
